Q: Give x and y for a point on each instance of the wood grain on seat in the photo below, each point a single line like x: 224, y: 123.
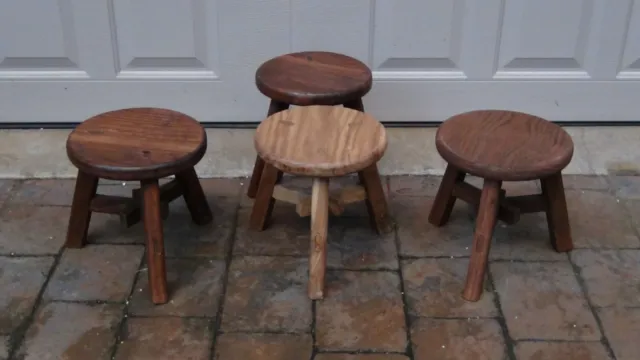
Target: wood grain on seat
x: 314, y: 78
x: 321, y: 141
x: 504, y: 145
x: 137, y: 144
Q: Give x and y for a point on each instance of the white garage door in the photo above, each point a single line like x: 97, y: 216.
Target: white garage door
x: 572, y: 60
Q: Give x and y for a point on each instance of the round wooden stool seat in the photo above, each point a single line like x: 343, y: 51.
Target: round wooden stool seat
x: 137, y: 144
x: 504, y: 145
x: 314, y: 78
x: 320, y: 141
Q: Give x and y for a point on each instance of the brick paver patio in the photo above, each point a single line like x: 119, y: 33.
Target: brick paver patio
x: 236, y: 294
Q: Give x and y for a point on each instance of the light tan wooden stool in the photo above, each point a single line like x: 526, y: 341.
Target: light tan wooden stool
x: 320, y: 142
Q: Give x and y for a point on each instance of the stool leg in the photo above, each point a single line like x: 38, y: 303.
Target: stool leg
x: 485, y: 222
x: 557, y: 214
x: 355, y: 105
x: 194, y: 197
x: 263, y: 205
x: 154, y: 241
x: 444, y: 201
x: 376, y: 201
x: 86, y: 186
x: 319, y: 224
x: 258, y: 167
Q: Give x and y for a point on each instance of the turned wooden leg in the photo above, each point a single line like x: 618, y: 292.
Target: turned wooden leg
x: 154, y: 241
x: 444, y: 201
x: 376, y: 201
x: 258, y: 167
x: 319, y: 224
x: 263, y: 205
x: 194, y: 197
x: 557, y: 215
x: 355, y: 105
x: 485, y: 222
x: 86, y: 186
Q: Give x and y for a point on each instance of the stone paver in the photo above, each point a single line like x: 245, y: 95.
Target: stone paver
x: 543, y: 298
x: 107, y: 229
x: 32, y: 230
x: 20, y: 283
x: 611, y: 276
x: 433, y: 288
x: 633, y: 209
x: 60, y: 192
x: 267, y: 294
x: 419, y: 238
x: 216, y: 188
x: 361, y: 311
x: 565, y: 350
x: 183, y: 238
x: 286, y: 233
x: 627, y: 187
x: 195, y: 286
x: 622, y: 328
x: 580, y: 182
x: 4, y: 347
x: 386, y: 356
x: 527, y: 240
x: 6, y: 187
x: 543, y: 301
x: 263, y: 347
x: 414, y: 186
x: 165, y: 338
x: 72, y: 331
x: 358, y: 246
x: 44, y: 192
x: 473, y: 339
x: 613, y: 228
x: 95, y: 272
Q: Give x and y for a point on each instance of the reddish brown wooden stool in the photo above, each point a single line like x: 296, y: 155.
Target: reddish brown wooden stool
x: 142, y: 144
x: 502, y: 146
x: 310, y: 78
x: 320, y: 142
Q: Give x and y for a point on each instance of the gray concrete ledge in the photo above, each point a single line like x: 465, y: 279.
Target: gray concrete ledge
x: 41, y: 153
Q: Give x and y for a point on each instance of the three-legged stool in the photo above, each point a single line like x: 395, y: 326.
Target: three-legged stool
x: 321, y: 142
x: 310, y: 78
x: 141, y: 144
x: 502, y: 146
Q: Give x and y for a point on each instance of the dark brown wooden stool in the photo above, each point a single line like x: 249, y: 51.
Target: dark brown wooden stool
x: 142, y: 144
x: 502, y: 146
x: 310, y: 78
x: 320, y: 142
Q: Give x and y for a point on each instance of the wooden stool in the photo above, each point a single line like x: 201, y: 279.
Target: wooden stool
x: 321, y: 142
x: 142, y: 144
x: 502, y: 146
x: 310, y: 78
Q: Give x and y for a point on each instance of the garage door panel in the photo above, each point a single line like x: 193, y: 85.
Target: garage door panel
x: 165, y: 38
x: 545, y: 36
x: 332, y: 25
x: 250, y: 33
x: 419, y: 37
x: 34, y: 45
x: 630, y: 64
